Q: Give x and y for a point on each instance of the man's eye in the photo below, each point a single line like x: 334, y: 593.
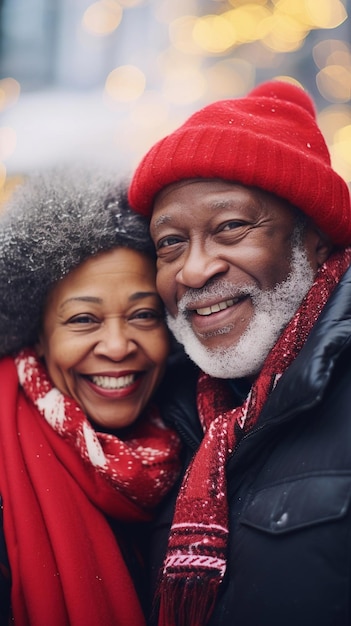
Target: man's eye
x: 167, y: 241
x: 232, y: 225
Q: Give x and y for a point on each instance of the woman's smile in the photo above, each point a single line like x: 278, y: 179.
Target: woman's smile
x: 113, y: 387
x: 106, y: 381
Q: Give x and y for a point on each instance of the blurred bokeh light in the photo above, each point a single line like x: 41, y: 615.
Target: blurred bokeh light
x: 101, y: 81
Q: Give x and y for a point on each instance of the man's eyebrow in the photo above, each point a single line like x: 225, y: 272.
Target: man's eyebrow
x: 220, y: 204
x: 159, y: 221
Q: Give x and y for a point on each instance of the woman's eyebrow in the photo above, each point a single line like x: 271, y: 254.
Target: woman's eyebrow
x: 94, y: 299
x: 138, y: 295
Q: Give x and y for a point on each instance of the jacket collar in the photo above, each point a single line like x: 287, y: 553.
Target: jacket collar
x: 303, y: 383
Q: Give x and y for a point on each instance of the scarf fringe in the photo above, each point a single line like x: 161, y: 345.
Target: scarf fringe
x: 188, y: 602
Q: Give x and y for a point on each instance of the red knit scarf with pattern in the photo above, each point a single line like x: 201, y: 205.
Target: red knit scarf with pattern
x: 58, y: 481
x: 196, y: 558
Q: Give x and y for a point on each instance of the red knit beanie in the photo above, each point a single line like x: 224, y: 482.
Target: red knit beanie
x: 269, y: 139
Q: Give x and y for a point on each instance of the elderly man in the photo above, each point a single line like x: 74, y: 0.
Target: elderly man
x: 252, y: 226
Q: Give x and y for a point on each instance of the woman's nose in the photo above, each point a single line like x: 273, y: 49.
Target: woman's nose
x: 114, y: 341
x: 199, y: 266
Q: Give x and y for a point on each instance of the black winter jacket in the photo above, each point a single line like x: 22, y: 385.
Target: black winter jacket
x: 289, y: 489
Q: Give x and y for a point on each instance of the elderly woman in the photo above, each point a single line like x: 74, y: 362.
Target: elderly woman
x: 84, y: 455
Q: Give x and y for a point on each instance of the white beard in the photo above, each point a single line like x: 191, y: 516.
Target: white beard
x: 272, y: 311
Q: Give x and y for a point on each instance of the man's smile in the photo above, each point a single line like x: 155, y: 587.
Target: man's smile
x: 218, y: 317
x: 215, y: 308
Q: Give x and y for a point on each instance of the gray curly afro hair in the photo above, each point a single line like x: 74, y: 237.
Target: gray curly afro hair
x: 52, y: 223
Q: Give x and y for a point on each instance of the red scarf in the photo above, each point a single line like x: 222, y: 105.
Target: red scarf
x: 196, y: 559
x: 58, y: 480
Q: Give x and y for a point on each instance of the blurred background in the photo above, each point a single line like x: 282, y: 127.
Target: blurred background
x: 99, y: 82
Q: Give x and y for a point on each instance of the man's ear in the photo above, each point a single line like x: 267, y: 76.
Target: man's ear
x: 324, y: 248
x: 318, y: 245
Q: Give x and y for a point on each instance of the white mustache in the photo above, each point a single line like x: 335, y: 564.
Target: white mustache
x: 222, y: 290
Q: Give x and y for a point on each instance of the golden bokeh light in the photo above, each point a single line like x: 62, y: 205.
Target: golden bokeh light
x: 7, y: 184
x: 167, y: 11
x: 126, y: 83
x: 249, y: 21
x: 3, y: 185
x: 289, y: 79
x: 183, y: 78
x: 335, y: 122
x: 183, y: 86
x: 173, y: 59
x: 284, y: 33
x: 334, y: 83
x: 181, y: 34
x: 342, y: 143
x: 2, y: 175
x: 326, y: 13
x: 150, y: 110
x: 262, y: 57
x: 8, y: 139
x: 332, y: 118
x: 342, y: 167
x: 238, y: 3
x: 9, y: 92
x: 128, y: 4
x: 340, y: 57
x: 102, y: 18
x: 329, y: 50
x: 293, y: 8
x: 214, y: 33
x: 230, y: 78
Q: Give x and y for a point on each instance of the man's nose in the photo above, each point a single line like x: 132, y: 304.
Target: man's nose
x: 199, y: 265
x: 115, y: 341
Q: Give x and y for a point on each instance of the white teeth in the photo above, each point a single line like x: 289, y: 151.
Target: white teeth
x: 112, y: 382
x: 215, y: 307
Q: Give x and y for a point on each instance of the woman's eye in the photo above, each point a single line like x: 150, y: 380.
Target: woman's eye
x: 82, y: 319
x: 147, y: 317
